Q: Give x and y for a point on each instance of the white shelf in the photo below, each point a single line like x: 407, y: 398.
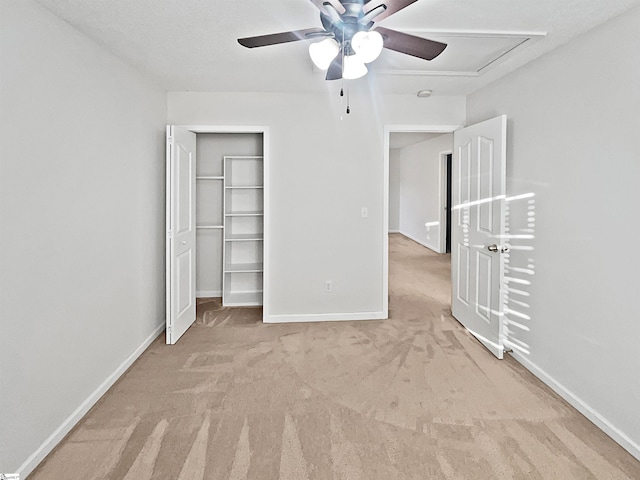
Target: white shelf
x: 244, y: 214
x: 243, y: 268
x: 244, y: 237
x: 243, y: 220
x: 209, y: 227
x: 242, y: 299
x: 209, y: 178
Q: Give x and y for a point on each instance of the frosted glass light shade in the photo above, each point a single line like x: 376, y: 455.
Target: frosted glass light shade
x: 322, y: 53
x: 367, y: 45
x: 353, y: 68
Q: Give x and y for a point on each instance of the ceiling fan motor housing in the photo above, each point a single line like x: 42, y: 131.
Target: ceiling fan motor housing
x: 345, y: 26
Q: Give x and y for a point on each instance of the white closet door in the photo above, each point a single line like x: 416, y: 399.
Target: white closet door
x: 181, y: 232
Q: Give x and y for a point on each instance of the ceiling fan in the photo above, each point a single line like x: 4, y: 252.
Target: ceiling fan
x: 352, y: 37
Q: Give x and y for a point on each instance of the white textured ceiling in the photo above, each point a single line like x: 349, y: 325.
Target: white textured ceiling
x: 191, y: 44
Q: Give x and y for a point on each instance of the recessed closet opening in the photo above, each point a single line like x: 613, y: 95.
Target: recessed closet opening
x: 230, y: 217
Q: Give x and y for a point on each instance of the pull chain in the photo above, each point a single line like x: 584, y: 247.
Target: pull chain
x: 348, y: 101
x: 348, y: 97
x: 342, y: 79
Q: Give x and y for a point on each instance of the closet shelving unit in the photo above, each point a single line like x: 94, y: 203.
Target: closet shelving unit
x: 243, y: 230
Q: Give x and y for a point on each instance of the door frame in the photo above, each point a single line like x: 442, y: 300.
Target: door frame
x: 443, y: 199
x: 388, y: 130
x: 264, y: 130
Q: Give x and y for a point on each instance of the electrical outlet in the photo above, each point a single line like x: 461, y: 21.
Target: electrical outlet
x: 328, y: 286
x: 365, y: 212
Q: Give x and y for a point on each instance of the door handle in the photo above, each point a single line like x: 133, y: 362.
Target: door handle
x: 495, y: 248
x: 184, y: 242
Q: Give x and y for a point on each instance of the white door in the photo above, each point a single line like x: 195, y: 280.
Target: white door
x: 181, y: 232
x: 477, y: 254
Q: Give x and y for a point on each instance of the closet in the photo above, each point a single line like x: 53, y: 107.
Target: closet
x: 230, y: 217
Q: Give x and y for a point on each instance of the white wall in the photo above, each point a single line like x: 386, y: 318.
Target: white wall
x: 573, y: 127
x: 394, y: 189
x: 420, y: 195
x: 81, y: 213
x: 325, y: 166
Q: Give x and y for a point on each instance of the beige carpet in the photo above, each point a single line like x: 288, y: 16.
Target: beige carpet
x: 413, y: 397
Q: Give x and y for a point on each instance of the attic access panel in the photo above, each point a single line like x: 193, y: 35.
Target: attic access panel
x: 467, y: 53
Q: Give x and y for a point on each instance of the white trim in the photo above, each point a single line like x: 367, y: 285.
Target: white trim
x: 50, y: 443
x: 428, y: 73
x: 266, y: 223
x: 395, y: 231
x: 584, y: 408
x: 167, y: 236
x: 225, y: 128
x: 325, y: 317
x: 208, y: 293
x: 388, y: 129
x: 385, y: 225
x: 266, y: 245
x: 477, y: 33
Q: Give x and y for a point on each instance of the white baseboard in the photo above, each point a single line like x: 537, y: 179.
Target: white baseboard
x: 394, y: 231
x: 208, y: 293
x: 49, y: 444
x: 325, y: 317
x: 601, y: 422
x: 411, y: 237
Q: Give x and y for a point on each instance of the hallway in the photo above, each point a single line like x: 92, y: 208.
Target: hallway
x: 413, y: 397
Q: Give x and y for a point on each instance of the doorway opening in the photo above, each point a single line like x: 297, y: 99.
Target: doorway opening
x: 229, y: 217
x: 448, y: 160
x: 419, y: 187
x: 417, y: 193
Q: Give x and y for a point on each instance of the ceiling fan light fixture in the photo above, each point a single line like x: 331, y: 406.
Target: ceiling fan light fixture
x: 354, y: 68
x: 322, y: 53
x: 367, y: 45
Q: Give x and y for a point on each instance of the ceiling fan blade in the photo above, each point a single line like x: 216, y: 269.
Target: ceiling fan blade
x: 334, y: 3
x: 392, y: 6
x: 410, y: 44
x: 284, y: 37
x: 335, y: 69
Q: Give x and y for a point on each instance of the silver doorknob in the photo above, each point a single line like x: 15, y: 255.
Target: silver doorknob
x: 184, y: 242
x: 496, y: 248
